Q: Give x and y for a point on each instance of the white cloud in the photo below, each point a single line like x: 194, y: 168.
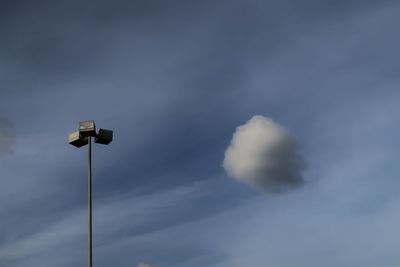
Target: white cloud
x: 263, y: 154
x: 144, y: 265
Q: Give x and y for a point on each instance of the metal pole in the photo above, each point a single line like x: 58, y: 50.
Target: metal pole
x: 90, y: 248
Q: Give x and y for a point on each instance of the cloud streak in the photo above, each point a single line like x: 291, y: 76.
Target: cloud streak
x: 6, y: 136
x: 263, y: 154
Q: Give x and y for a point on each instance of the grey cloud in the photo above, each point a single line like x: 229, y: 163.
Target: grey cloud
x: 75, y: 36
x: 263, y: 154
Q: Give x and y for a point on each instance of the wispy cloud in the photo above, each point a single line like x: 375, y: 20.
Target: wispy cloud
x: 6, y: 136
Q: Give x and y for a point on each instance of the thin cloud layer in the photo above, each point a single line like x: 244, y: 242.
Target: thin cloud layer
x: 6, y: 136
x: 263, y: 154
x: 144, y: 265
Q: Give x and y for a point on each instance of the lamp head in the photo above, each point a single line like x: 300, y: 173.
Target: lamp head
x: 87, y: 128
x: 77, y: 140
x: 104, y: 137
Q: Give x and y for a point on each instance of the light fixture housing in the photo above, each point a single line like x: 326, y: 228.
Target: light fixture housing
x: 87, y: 128
x: 77, y: 140
x: 104, y: 137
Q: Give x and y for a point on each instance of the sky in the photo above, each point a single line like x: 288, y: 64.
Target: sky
x: 195, y: 91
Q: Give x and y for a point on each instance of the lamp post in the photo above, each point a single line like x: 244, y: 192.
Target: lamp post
x: 80, y: 138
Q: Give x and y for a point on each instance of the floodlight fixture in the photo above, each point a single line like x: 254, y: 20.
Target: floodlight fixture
x: 87, y: 128
x: 77, y: 140
x: 82, y: 137
x: 104, y: 137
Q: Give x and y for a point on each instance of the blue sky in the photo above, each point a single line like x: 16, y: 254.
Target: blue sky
x: 173, y: 80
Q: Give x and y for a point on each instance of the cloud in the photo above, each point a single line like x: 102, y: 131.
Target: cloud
x: 144, y: 265
x: 6, y: 136
x: 263, y: 154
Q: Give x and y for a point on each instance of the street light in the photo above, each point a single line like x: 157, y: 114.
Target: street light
x: 87, y: 130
